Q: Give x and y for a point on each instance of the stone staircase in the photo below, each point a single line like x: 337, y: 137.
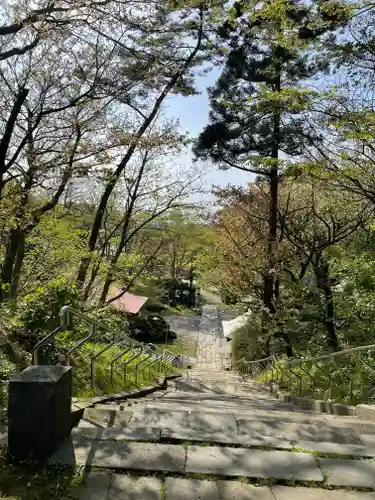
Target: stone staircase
x: 213, y: 436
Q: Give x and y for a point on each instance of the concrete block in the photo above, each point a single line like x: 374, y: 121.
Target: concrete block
x: 252, y: 463
x: 119, y: 455
x: 96, y: 486
x: 365, y: 412
x: 340, y: 409
x: 134, y: 488
x: 358, y: 473
x: 299, y: 493
x: 193, y: 489
x: 115, y: 434
x: 39, y: 411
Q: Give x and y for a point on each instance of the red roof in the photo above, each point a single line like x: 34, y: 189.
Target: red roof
x: 127, y: 303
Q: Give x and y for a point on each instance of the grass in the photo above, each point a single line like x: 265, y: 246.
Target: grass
x: 30, y: 482
x: 185, y: 346
x: 315, y: 385
x: 179, y: 310
x: 163, y: 491
x: 81, y: 372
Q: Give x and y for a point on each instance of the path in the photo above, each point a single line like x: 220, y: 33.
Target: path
x: 213, y: 351
x: 213, y: 436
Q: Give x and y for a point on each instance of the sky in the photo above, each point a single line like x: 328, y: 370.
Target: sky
x: 192, y: 113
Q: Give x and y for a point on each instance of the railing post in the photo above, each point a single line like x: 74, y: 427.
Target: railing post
x: 138, y: 365
x: 120, y: 355
x: 130, y: 360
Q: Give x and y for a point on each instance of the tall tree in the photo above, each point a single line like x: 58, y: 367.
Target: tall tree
x: 258, y: 103
x: 170, y: 73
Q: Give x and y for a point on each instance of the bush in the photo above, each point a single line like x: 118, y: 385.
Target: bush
x: 250, y: 340
x: 38, y: 314
x: 6, y: 369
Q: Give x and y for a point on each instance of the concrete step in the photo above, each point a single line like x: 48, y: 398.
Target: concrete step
x: 223, y: 386
x: 253, y: 429
x: 227, y: 430
x: 100, y: 485
x: 216, y: 460
x: 249, y: 413
x: 206, y: 402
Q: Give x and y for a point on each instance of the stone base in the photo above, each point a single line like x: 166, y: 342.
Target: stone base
x: 39, y: 411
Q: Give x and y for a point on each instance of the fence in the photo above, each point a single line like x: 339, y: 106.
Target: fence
x: 137, y: 358
x: 345, y: 376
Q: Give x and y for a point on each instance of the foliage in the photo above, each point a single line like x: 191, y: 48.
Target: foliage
x: 19, y: 481
x: 38, y: 314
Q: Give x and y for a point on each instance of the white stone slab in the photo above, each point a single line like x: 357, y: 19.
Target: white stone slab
x: 252, y: 463
x: 125, y: 487
x: 359, y: 473
x: 115, y: 454
x: 193, y: 489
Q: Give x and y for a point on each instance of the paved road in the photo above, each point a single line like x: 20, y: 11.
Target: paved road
x: 184, y: 325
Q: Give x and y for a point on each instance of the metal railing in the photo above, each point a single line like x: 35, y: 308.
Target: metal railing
x: 254, y: 369
x: 136, y: 353
x: 347, y: 376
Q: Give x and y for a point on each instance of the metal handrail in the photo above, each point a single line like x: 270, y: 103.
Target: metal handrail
x: 94, y: 358
x: 35, y: 355
x: 81, y: 342
x: 333, y: 354
x: 130, y: 360
x: 66, y: 313
x: 266, y: 368
x: 138, y: 365
x: 117, y: 357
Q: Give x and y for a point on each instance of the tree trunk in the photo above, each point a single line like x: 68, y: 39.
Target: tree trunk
x: 8, y: 132
x: 6, y: 276
x: 113, y: 262
x: 323, y: 282
x: 270, y: 276
x: 18, y: 265
x: 107, y: 283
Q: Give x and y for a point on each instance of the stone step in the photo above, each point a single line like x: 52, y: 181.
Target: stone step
x: 154, y: 457
x: 324, y: 440
x: 307, y: 417
x: 102, y: 485
x: 238, y: 405
x: 224, y: 386
x: 236, y: 398
x: 336, y: 437
x: 216, y: 460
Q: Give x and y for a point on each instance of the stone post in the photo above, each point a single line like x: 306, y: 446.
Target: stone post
x: 39, y: 411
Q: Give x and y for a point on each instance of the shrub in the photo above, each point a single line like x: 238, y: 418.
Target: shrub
x: 38, y: 314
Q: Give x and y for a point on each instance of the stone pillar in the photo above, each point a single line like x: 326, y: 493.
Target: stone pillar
x: 39, y: 411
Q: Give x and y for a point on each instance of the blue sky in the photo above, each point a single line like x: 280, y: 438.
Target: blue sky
x: 193, y: 113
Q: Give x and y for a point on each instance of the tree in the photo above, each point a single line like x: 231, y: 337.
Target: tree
x: 151, y: 192
x: 174, y: 67
x: 315, y: 220
x: 259, y: 102
x: 55, y: 138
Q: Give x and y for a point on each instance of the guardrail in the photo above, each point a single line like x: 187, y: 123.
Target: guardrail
x: 140, y: 353
x: 347, y: 375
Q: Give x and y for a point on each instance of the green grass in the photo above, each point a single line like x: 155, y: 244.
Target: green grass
x: 81, y: 372
x: 185, y: 346
x: 30, y: 482
x: 179, y: 310
x: 315, y: 385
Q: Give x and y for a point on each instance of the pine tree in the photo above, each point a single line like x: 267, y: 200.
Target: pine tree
x: 260, y: 101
